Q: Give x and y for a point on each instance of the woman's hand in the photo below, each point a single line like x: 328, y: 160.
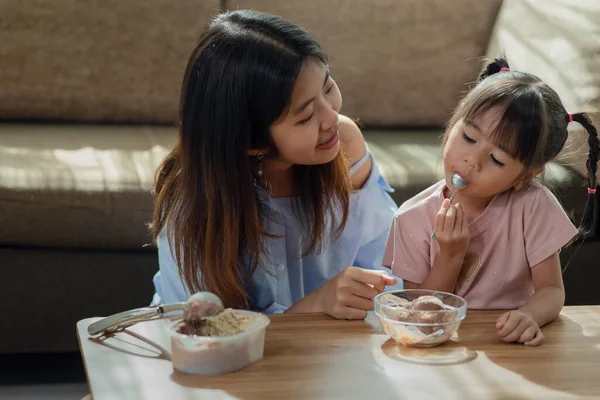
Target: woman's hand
x: 349, y: 295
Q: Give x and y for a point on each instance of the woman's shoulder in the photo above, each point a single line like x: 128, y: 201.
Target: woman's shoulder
x: 353, y: 141
x: 354, y: 147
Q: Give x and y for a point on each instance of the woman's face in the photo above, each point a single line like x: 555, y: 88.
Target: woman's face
x: 308, y: 134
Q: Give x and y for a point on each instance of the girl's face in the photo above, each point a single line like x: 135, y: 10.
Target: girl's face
x: 308, y: 134
x: 488, y: 169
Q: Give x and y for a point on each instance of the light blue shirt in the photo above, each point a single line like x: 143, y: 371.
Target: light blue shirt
x: 287, y: 277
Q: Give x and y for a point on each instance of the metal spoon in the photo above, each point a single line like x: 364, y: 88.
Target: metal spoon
x: 458, y: 183
x: 202, y: 304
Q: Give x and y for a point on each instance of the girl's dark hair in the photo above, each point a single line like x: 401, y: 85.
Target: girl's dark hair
x: 532, y: 124
x: 238, y: 82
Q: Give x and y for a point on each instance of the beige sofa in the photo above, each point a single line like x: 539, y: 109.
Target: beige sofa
x: 88, y: 102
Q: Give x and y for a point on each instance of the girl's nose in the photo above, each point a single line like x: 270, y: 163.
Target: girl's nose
x: 472, y: 161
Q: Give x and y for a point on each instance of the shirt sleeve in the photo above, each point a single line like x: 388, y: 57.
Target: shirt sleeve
x: 407, y: 250
x: 375, y: 209
x: 547, y: 227
x: 369, y: 256
x: 372, y: 204
x: 275, y: 308
x: 168, y: 284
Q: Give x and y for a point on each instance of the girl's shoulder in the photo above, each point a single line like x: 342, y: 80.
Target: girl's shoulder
x: 532, y: 193
x: 534, y: 198
x: 423, y: 203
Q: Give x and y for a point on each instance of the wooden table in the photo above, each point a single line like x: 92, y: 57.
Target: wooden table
x: 316, y: 357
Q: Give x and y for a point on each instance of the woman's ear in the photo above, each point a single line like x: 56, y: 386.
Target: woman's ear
x: 527, y: 178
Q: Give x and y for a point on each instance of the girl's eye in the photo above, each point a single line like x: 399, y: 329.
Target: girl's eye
x: 496, y: 161
x: 468, y: 139
x: 306, y: 119
x: 329, y: 90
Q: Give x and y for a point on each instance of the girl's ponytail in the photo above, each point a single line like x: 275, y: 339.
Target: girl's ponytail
x: 587, y: 223
x: 498, y: 65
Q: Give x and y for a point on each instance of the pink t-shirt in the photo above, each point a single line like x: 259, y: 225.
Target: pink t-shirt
x: 517, y: 231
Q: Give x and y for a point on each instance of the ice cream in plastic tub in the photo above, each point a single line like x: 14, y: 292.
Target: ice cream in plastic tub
x: 420, y: 318
x: 230, y: 341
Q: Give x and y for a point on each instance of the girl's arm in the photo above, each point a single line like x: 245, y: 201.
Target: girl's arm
x: 443, y: 275
x: 546, y: 229
x: 544, y: 305
x: 547, y: 301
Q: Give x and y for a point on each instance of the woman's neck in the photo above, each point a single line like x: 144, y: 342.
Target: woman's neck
x: 279, y: 176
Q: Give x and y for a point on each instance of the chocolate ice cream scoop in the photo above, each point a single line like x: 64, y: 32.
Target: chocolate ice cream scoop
x: 427, y: 303
x: 431, y: 310
x: 202, y: 305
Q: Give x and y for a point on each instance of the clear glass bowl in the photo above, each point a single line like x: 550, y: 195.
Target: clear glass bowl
x: 428, y: 325
x: 212, y: 355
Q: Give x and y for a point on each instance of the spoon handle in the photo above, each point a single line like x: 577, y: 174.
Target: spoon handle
x: 452, y: 196
x: 125, y: 319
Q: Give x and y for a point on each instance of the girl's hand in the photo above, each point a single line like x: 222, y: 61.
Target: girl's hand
x: 452, y: 230
x: 350, y: 294
x: 517, y: 326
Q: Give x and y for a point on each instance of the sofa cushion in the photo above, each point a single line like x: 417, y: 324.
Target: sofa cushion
x: 78, y: 186
x: 90, y: 186
x: 398, y: 63
x: 97, y: 60
x: 559, y: 41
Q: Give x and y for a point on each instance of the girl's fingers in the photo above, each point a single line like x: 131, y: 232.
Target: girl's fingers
x: 537, y: 340
x: 450, y: 219
x: 440, y: 218
x: 528, y: 335
x: 502, y: 320
x: 459, y: 219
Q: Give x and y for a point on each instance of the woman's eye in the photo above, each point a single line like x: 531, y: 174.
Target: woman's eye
x: 468, y: 139
x: 329, y: 90
x: 496, y: 161
x: 306, y: 119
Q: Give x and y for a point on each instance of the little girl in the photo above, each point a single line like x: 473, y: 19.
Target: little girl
x: 497, y: 243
